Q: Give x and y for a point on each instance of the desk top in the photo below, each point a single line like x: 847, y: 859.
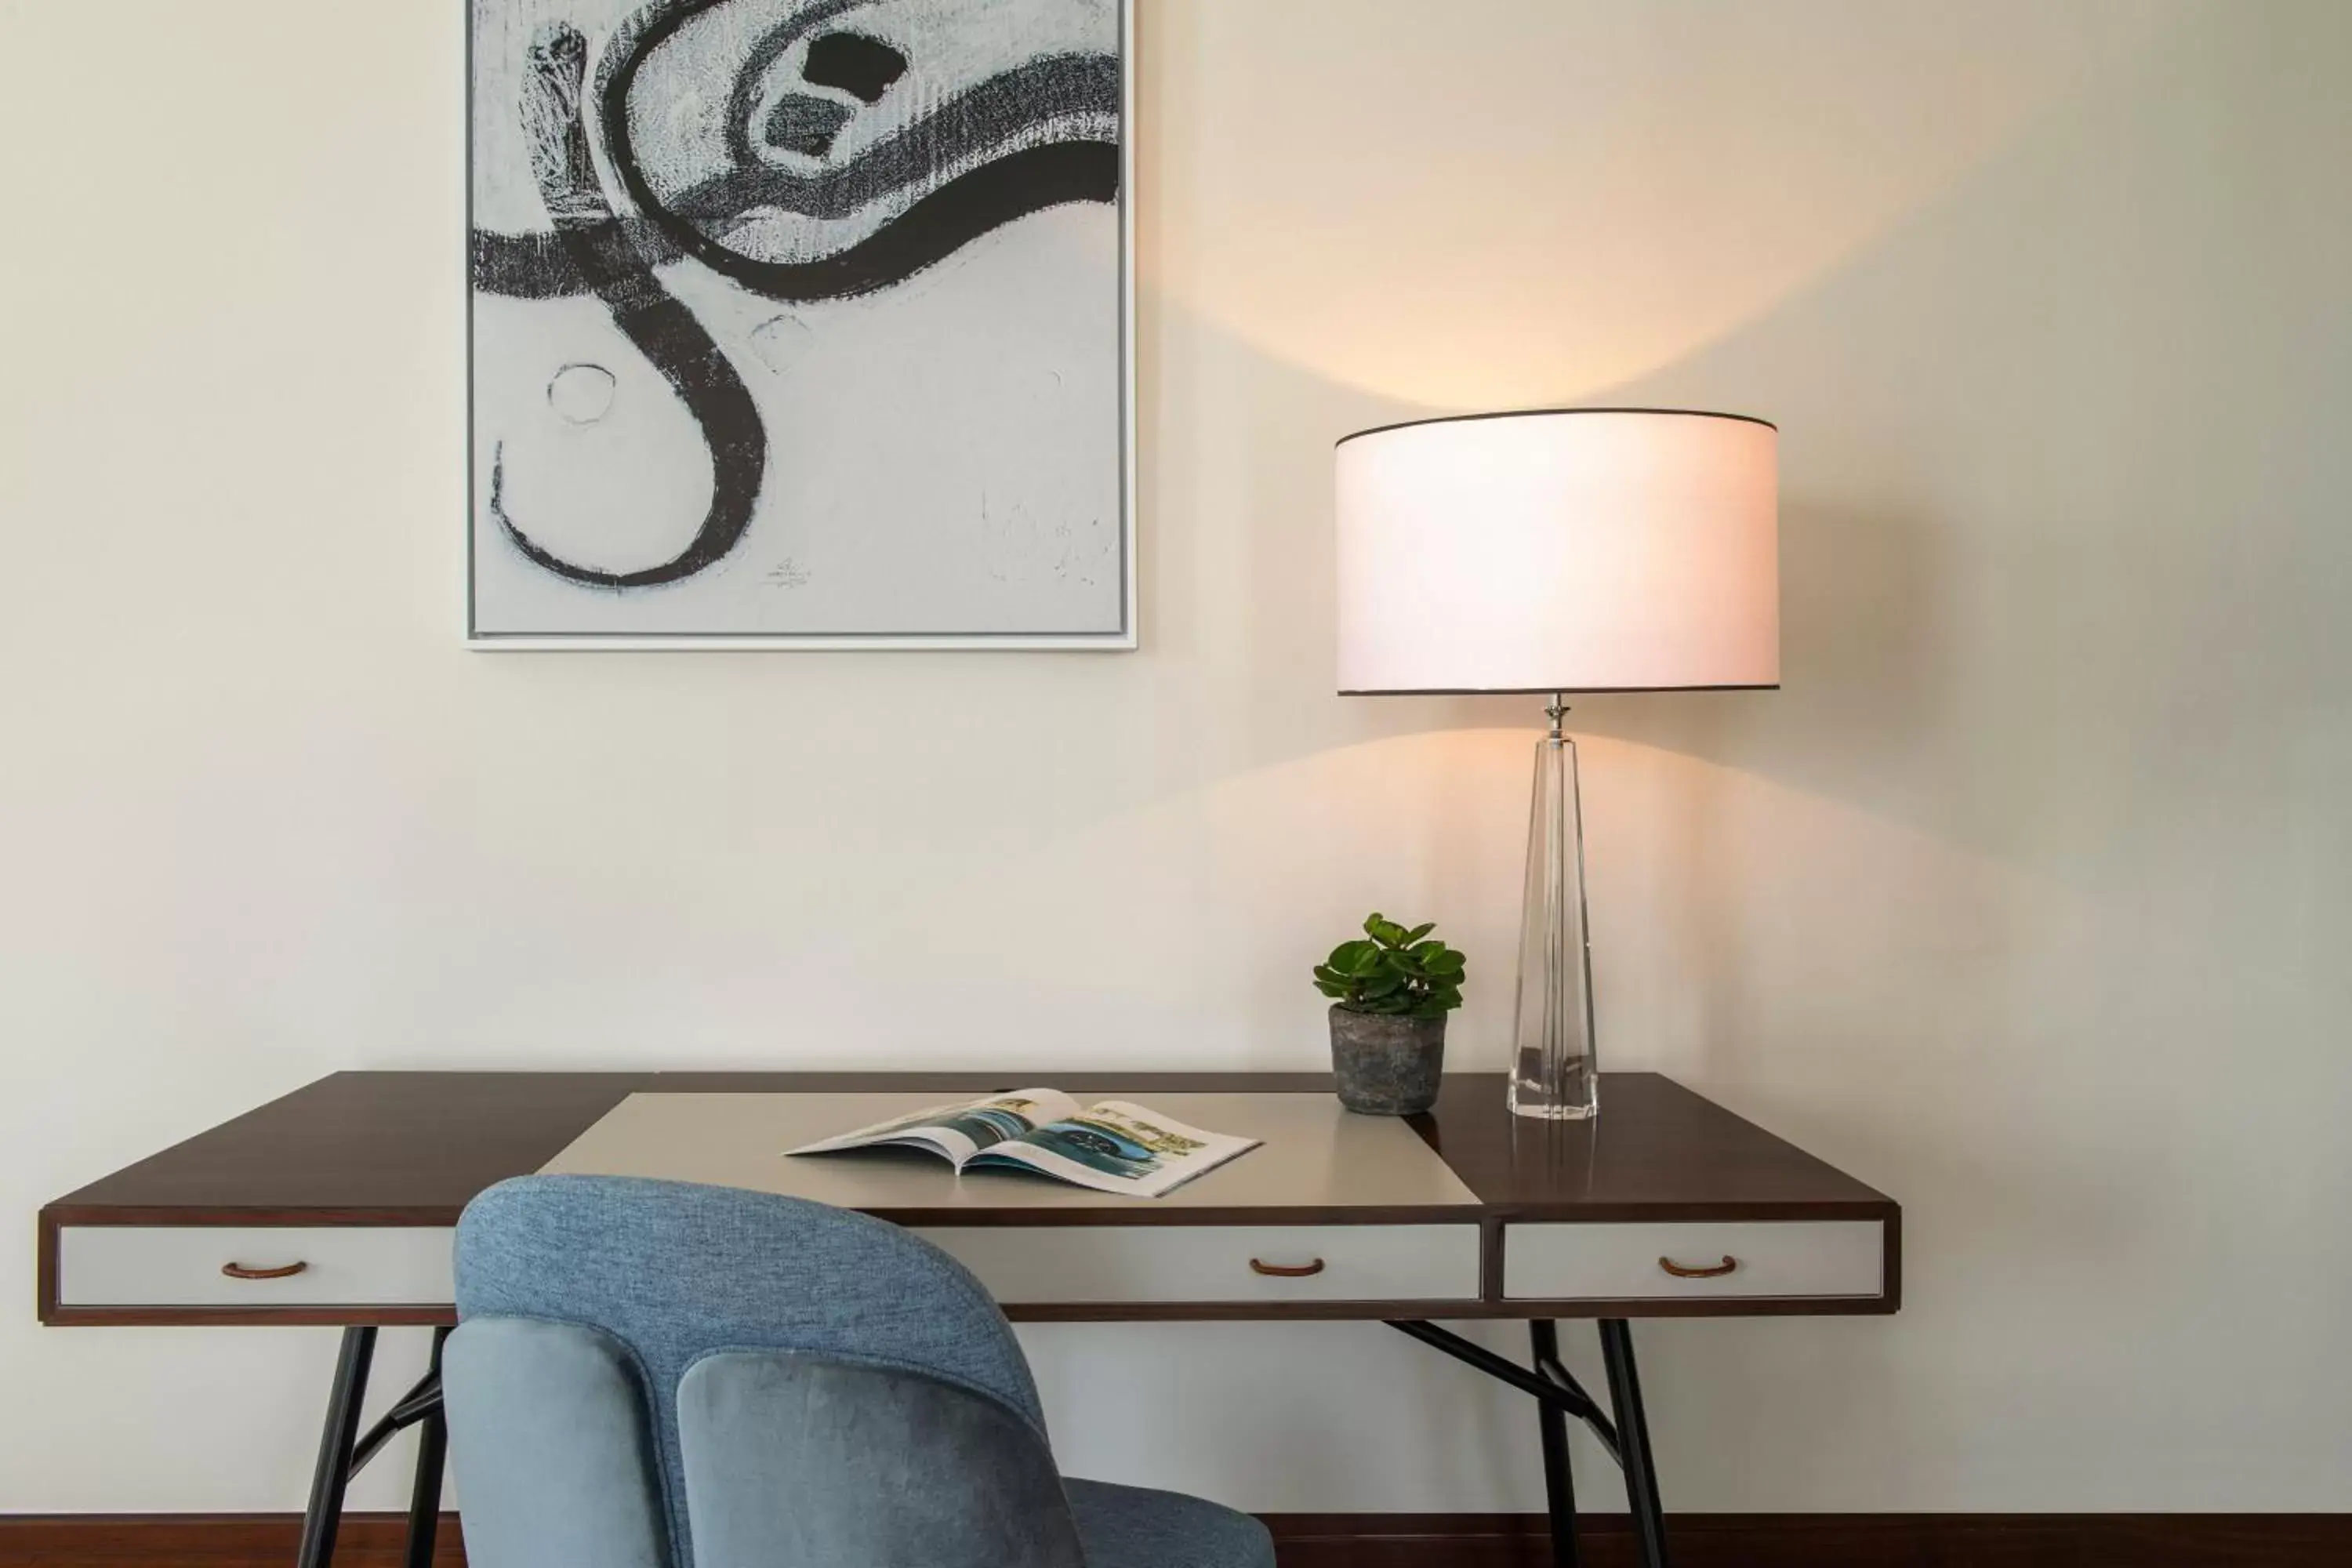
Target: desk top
x: 1479, y: 1214
x: 413, y: 1148
x: 1312, y: 1156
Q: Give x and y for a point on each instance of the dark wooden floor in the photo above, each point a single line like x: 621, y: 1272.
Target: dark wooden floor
x: 1394, y: 1541
x: 1832, y: 1540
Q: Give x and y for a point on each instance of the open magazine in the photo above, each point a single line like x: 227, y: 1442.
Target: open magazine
x: 1111, y: 1146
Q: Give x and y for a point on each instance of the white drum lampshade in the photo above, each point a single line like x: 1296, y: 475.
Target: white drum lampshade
x: 1573, y: 550
x: 1600, y: 550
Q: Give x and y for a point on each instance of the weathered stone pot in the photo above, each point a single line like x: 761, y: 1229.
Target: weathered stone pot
x: 1386, y: 1065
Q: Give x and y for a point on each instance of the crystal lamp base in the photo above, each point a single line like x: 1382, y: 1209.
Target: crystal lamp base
x: 1554, y: 1074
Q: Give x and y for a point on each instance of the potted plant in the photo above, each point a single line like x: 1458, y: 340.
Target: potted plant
x: 1392, y: 989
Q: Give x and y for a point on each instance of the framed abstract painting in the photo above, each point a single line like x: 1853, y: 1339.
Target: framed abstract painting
x: 801, y: 323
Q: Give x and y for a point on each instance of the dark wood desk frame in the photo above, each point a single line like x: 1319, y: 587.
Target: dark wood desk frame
x: 412, y: 1148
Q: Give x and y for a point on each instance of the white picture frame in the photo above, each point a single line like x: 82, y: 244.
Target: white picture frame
x: 1123, y: 636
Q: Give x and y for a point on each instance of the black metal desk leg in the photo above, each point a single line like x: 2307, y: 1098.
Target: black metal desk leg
x: 335, y: 1445
x: 1559, y: 1480
x: 432, y: 1455
x: 1633, y: 1442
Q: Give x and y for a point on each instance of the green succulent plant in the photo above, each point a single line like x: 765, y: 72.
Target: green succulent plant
x: 1394, y: 971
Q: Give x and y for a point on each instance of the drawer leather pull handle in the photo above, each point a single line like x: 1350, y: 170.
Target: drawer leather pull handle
x: 1685, y: 1271
x: 1286, y: 1271
x: 239, y: 1271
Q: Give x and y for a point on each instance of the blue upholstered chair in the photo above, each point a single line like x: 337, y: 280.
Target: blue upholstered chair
x: 648, y: 1375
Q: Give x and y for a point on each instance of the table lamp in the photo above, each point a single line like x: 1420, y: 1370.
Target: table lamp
x: 1557, y: 551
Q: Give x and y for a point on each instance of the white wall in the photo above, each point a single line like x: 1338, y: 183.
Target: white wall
x: 2026, y: 899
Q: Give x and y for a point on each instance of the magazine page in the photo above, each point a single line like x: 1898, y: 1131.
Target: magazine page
x: 959, y: 1131
x: 1115, y: 1147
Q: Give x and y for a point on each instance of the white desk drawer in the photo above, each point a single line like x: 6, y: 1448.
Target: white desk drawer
x: 182, y: 1266
x: 1073, y: 1265
x: 1629, y: 1262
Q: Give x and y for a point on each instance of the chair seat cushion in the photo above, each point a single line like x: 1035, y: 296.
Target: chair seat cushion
x: 1132, y: 1527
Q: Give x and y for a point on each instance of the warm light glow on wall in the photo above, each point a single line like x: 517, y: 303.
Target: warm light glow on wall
x: 1461, y: 224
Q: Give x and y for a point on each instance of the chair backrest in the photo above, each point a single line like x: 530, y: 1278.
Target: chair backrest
x: 651, y: 1375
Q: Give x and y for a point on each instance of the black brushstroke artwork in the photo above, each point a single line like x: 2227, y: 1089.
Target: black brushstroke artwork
x: 805, y: 125
x: 663, y: 330
x: 861, y: 66
x: 990, y: 132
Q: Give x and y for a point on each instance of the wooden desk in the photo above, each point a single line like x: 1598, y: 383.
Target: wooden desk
x: 1666, y: 1205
